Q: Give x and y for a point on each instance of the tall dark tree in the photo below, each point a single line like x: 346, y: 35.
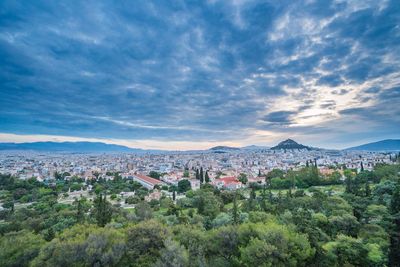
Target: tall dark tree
x: 349, y: 185
x: 235, y: 212
x: 263, y: 198
x: 197, y: 174
x: 80, y: 213
x: 201, y: 175
x: 252, y: 198
x: 362, y: 166
x: 207, y: 177
x: 367, y: 189
x: 102, y: 210
x: 173, y: 195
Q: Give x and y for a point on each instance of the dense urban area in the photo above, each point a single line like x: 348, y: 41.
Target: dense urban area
x: 222, y: 207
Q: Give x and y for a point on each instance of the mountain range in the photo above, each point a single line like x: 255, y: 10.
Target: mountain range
x: 68, y: 147
x: 384, y: 145
x: 98, y: 147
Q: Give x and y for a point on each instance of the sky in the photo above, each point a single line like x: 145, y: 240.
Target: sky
x: 194, y: 74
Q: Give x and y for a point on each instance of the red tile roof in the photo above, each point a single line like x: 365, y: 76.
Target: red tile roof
x: 229, y: 179
x: 148, y: 179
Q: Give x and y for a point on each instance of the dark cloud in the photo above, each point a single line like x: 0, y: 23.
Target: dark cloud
x: 331, y: 80
x: 340, y: 92
x: 279, y: 117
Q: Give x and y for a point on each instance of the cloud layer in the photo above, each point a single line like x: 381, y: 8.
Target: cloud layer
x: 325, y: 72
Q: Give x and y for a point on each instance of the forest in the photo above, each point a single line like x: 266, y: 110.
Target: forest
x: 289, y: 221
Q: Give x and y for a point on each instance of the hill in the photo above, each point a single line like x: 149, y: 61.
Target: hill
x: 383, y: 145
x: 289, y: 144
x: 254, y: 147
x: 68, y: 147
x: 224, y: 148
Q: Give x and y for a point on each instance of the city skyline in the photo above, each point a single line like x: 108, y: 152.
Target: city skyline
x: 191, y: 76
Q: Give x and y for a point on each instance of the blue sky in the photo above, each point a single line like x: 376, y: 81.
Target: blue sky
x: 192, y: 74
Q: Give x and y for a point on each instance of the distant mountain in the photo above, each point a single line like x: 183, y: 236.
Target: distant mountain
x: 224, y: 148
x: 384, y: 145
x: 290, y: 144
x: 254, y: 147
x: 68, y: 147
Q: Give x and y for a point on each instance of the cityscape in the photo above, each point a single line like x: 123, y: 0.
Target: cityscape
x: 216, y: 133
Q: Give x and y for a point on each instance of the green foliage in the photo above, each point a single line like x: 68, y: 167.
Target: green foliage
x: 144, y: 242
x: 183, y: 186
x: 207, y: 203
x: 155, y: 175
x: 347, y: 251
x: 243, y: 178
x: 83, y: 245
x: 102, y: 211
x: 259, y: 226
x: 19, y: 248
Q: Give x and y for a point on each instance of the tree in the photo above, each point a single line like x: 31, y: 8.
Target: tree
x: 222, y: 219
x: 243, y: 178
x: 143, y: 211
x: 19, y: 248
x: 186, y: 173
x: 235, y: 212
x: 252, y: 198
x: 394, y: 255
x: 49, y: 234
x: 145, y: 241
x: 207, y: 177
x: 155, y: 175
x: 80, y: 213
x: 173, y: 255
x: 347, y: 251
x: 58, y: 176
x: 197, y: 174
x: 367, y: 189
x: 183, y: 186
x: 263, y: 249
x: 102, y: 210
x: 84, y: 245
x: 201, y: 175
x: 207, y: 203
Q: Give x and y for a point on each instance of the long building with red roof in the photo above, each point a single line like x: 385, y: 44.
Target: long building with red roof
x: 146, y: 181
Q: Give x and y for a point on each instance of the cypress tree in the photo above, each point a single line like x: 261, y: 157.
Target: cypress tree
x: 197, y: 174
x: 207, y: 177
x: 349, y: 185
x: 235, y: 214
x: 201, y: 175
x: 362, y: 166
x: 263, y: 197
x: 252, y: 197
x: 103, y: 210
x: 173, y: 195
x: 367, y: 189
x: 80, y: 214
